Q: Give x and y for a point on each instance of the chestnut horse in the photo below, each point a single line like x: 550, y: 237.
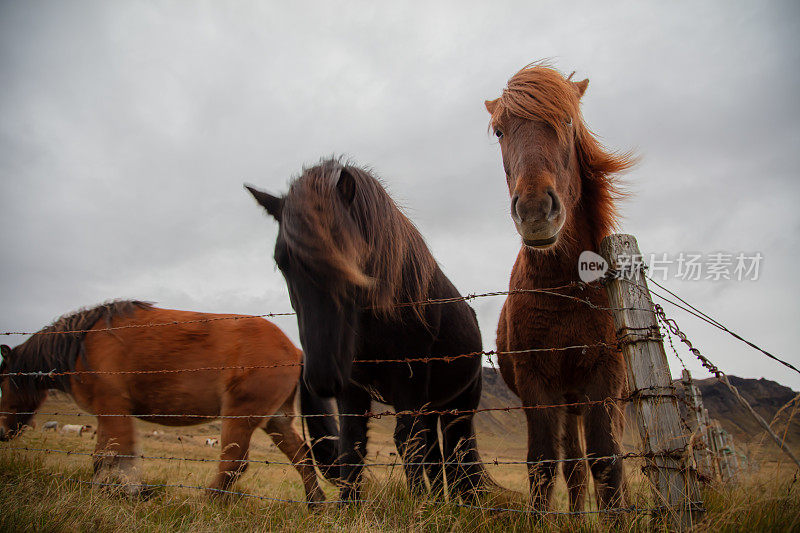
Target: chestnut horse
x: 562, y: 188
x: 353, y: 262
x: 113, y: 372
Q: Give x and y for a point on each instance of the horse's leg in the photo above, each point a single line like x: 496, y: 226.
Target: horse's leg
x: 465, y: 473
x: 235, y: 441
x: 411, y: 439
x: 545, y: 427
x: 352, y: 439
x: 289, y: 442
x: 575, y: 472
x: 114, y: 459
x: 601, y: 442
x: 434, y: 466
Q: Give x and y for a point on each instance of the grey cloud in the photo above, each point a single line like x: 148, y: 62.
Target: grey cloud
x: 128, y: 130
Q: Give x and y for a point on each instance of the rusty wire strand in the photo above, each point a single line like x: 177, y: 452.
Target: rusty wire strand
x: 692, y: 310
x: 431, y: 301
x: 676, y: 452
x: 428, y: 359
x: 366, y: 414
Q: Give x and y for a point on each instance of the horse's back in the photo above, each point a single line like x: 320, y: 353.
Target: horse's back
x: 161, y: 360
x: 161, y: 338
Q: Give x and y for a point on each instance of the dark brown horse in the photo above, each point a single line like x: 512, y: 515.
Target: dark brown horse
x: 136, y: 370
x: 352, y: 262
x: 562, y: 189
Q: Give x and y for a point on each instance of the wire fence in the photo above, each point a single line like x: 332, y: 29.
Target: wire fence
x: 628, y: 336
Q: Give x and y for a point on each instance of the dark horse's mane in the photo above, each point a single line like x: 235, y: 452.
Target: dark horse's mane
x: 48, y: 350
x: 538, y: 92
x: 366, y: 249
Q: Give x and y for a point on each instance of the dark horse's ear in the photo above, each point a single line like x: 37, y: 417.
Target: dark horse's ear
x: 5, y: 351
x: 273, y: 204
x: 491, y: 105
x: 580, y: 87
x: 346, y: 185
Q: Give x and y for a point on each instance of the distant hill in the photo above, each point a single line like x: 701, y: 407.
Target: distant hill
x: 507, y: 424
x: 766, y: 397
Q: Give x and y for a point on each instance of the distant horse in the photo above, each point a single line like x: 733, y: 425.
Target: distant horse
x: 349, y: 256
x: 118, y: 372
x: 562, y: 188
x: 74, y: 429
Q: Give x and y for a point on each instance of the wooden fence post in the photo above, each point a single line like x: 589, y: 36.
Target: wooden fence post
x: 650, y: 383
x: 727, y: 453
x: 713, y: 445
x: 702, y: 449
x: 722, y: 456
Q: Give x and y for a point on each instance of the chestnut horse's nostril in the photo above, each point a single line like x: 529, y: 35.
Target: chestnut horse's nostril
x: 514, y: 200
x: 542, y: 208
x: 555, y: 205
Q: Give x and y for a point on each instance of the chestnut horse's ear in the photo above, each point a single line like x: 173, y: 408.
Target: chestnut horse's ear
x: 491, y: 105
x: 580, y: 86
x: 346, y: 185
x: 273, y: 204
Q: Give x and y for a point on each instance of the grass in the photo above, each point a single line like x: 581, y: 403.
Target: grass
x: 51, y: 492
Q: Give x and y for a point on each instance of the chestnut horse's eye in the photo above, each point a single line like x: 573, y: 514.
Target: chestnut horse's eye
x: 499, y: 134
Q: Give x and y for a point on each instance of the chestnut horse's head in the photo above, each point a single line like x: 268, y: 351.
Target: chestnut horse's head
x: 20, y: 397
x: 553, y: 164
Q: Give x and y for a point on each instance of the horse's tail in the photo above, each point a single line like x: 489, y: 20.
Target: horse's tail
x: 322, y: 431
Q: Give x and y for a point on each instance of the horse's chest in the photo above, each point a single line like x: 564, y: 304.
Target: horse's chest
x: 567, y: 339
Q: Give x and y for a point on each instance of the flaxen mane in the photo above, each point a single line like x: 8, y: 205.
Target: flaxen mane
x: 47, y: 350
x: 538, y: 92
x: 367, y: 249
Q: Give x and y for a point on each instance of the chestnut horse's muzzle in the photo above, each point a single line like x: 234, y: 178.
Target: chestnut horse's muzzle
x: 538, y: 218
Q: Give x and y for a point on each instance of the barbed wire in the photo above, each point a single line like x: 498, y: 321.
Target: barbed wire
x: 689, y: 308
x: 367, y: 414
x: 550, y: 291
x: 672, y: 326
x: 695, y: 507
x: 421, y: 359
x: 675, y: 452
x: 610, y: 401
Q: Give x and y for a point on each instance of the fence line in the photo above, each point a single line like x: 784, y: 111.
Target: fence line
x: 630, y: 339
x: 672, y: 327
x: 431, y: 301
x: 496, y: 462
x: 637, y: 394
x: 427, y: 359
x: 710, y: 320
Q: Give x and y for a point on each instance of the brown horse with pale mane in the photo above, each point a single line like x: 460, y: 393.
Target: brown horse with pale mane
x: 563, y: 191
x: 175, y: 368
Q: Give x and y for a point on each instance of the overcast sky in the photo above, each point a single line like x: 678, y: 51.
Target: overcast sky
x: 128, y: 129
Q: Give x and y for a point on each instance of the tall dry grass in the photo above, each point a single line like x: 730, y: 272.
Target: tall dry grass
x: 44, y: 493
x: 52, y: 492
